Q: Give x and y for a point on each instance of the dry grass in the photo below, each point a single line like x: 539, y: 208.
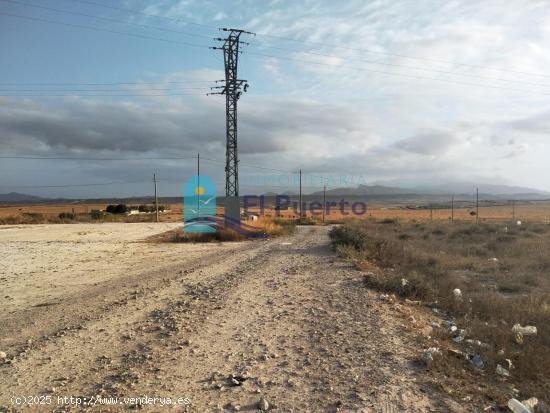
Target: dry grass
x: 525, y: 210
x: 502, y: 270
x: 264, y: 227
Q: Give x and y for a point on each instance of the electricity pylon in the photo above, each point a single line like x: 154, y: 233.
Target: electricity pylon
x: 232, y: 91
x: 232, y: 88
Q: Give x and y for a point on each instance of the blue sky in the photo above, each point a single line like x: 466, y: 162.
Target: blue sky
x: 414, y: 93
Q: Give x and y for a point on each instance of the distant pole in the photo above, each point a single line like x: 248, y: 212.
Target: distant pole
x: 324, y: 201
x: 431, y: 212
x: 477, y: 205
x: 156, y: 199
x: 513, y: 209
x: 198, y: 182
x: 300, y: 194
x: 452, y: 208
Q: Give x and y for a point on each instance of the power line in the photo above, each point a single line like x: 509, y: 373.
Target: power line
x: 74, y: 185
x: 82, y: 158
x: 103, y: 95
x: 103, y: 90
x: 94, y: 3
x: 160, y: 82
x: 80, y: 26
x: 395, y: 74
x: 336, y: 46
x: 273, y: 56
x: 156, y: 158
x: 322, y: 44
x: 108, y: 19
x: 250, y: 166
x: 447, y: 72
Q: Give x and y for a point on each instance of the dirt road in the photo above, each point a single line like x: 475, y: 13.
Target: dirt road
x: 282, y: 322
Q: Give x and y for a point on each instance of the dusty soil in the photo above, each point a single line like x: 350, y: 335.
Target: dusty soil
x: 523, y: 210
x: 219, y: 325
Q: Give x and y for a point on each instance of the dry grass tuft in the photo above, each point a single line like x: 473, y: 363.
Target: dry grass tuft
x: 501, y: 269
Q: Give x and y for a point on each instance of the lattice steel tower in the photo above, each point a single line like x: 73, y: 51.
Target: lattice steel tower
x: 231, y: 88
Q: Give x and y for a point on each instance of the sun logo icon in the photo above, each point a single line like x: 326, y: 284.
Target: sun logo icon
x: 199, y: 204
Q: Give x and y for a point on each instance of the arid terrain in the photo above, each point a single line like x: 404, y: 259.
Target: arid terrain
x: 280, y: 324
x: 502, y: 210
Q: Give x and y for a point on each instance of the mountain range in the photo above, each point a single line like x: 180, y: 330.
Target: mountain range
x: 379, y: 191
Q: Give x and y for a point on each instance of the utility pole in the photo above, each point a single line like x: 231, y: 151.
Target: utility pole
x: 477, y: 205
x: 231, y: 88
x: 513, y: 209
x: 156, y: 199
x: 431, y: 212
x: 198, y: 183
x: 452, y: 208
x: 324, y: 201
x: 301, y: 195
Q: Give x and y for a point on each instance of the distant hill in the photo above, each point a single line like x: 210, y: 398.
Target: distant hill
x: 15, y: 197
x: 454, y: 188
x: 367, y: 190
x: 469, y: 187
x: 373, y: 192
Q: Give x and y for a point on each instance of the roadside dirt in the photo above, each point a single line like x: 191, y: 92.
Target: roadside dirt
x: 281, y: 320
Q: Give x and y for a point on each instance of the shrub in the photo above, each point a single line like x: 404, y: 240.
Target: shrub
x: 283, y: 227
x: 146, y: 208
x: 117, y: 209
x: 67, y: 215
x: 97, y: 214
x: 349, y: 235
x: 306, y: 221
x: 219, y: 236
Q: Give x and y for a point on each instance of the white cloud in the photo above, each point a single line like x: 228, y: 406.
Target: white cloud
x: 385, y: 120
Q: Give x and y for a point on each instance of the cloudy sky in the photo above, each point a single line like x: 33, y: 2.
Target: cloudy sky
x: 398, y: 92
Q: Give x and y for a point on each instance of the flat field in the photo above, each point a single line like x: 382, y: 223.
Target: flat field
x: 525, y: 210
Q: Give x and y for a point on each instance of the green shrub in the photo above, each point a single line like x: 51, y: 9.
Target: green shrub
x: 349, y: 235
x: 67, y: 215
x: 117, y: 209
x: 97, y: 214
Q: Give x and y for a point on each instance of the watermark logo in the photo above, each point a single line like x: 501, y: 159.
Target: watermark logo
x: 199, y: 205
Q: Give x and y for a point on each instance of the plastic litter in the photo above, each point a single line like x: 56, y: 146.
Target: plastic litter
x: 436, y: 311
x: 457, y: 293
x: 459, y: 338
x: 429, y: 354
x: 502, y: 371
x: 531, y: 403
x: 477, y: 343
x: 476, y: 360
x: 526, y: 330
x: 517, y: 407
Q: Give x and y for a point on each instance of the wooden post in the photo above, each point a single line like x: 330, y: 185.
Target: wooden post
x: 324, y: 201
x: 156, y: 199
x: 452, y: 208
x: 301, y: 206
